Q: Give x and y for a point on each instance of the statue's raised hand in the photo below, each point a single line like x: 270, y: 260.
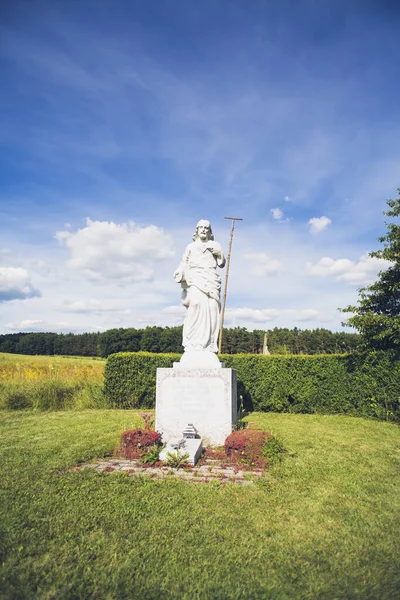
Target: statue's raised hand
x: 214, y: 248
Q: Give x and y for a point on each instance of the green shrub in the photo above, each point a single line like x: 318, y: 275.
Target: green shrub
x: 356, y: 384
x: 130, y: 378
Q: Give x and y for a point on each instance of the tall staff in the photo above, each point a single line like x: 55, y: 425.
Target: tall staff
x: 228, y: 262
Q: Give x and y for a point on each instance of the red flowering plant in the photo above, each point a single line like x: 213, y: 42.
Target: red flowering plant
x: 247, y: 447
x: 137, y: 442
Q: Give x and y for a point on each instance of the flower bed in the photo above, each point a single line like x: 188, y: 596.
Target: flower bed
x: 247, y: 447
x: 136, y: 442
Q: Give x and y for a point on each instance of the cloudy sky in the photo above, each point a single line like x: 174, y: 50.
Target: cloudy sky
x: 125, y: 122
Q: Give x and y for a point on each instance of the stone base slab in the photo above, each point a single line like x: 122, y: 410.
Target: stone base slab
x: 193, y: 447
x: 205, y: 397
x: 210, y: 471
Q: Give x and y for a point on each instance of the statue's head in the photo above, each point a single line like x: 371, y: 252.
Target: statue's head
x: 203, y: 231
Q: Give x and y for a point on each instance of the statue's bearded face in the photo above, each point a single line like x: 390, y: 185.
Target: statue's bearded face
x: 203, y: 230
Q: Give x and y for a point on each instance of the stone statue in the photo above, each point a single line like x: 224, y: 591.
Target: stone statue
x: 201, y: 288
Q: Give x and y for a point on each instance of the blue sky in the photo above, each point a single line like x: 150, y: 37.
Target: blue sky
x: 124, y: 123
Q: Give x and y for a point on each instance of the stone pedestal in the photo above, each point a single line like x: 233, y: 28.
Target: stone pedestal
x: 206, y: 397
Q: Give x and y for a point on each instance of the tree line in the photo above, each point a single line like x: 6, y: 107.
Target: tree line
x: 169, y: 339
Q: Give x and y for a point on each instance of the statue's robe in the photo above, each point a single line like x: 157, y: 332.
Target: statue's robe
x: 201, y: 295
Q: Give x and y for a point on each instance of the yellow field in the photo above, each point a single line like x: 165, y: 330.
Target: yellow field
x: 20, y: 367
x: 51, y: 382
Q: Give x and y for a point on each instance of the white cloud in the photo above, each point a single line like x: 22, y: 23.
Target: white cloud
x: 26, y: 324
x: 308, y: 314
x: 277, y: 214
x: 63, y: 235
x: 357, y: 273
x: 251, y: 314
x: 249, y: 317
x: 107, y: 251
x: 40, y: 326
x: 15, y: 284
x: 174, y: 310
x: 90, y: 305
x: 174, y: 315
x: 262, y: 264
x: 318, y: 224
x: 288, y: 199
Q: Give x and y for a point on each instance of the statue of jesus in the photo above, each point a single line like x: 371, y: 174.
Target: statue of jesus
x: 201, y: 288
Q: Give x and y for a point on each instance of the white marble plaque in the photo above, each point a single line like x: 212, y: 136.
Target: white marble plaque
x: 205, y: 397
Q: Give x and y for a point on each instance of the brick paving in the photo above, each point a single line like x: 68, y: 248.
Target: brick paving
x: 209, y: 470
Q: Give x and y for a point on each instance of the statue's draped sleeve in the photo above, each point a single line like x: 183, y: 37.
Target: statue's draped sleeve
x: 181, y: 273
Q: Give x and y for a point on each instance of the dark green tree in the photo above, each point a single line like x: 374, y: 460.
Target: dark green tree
x: 377, y: 315
x: 119, y: 340
x: 151, y: 339
x: 171, y: 339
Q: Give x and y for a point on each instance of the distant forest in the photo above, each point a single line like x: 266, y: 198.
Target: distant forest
x: 168, y: 339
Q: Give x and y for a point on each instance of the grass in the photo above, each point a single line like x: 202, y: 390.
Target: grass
x: 323, y: 524
x: 51, y: 382
x: 56, y: 360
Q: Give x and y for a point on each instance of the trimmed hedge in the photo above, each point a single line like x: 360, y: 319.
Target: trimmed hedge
x: 130, y: 378
x: 358, y: 384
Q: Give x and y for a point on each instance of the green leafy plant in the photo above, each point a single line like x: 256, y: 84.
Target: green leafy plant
x: 177, y: 459
x: 273, y: 449
x: 153, y: 454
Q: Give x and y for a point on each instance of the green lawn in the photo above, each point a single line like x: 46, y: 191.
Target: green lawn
x: 323, y: 524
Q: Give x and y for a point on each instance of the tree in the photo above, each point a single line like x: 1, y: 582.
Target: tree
x: 151, y: 338
x: 377, y: 315
x: 171, y: 340
x: 111, y: 341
